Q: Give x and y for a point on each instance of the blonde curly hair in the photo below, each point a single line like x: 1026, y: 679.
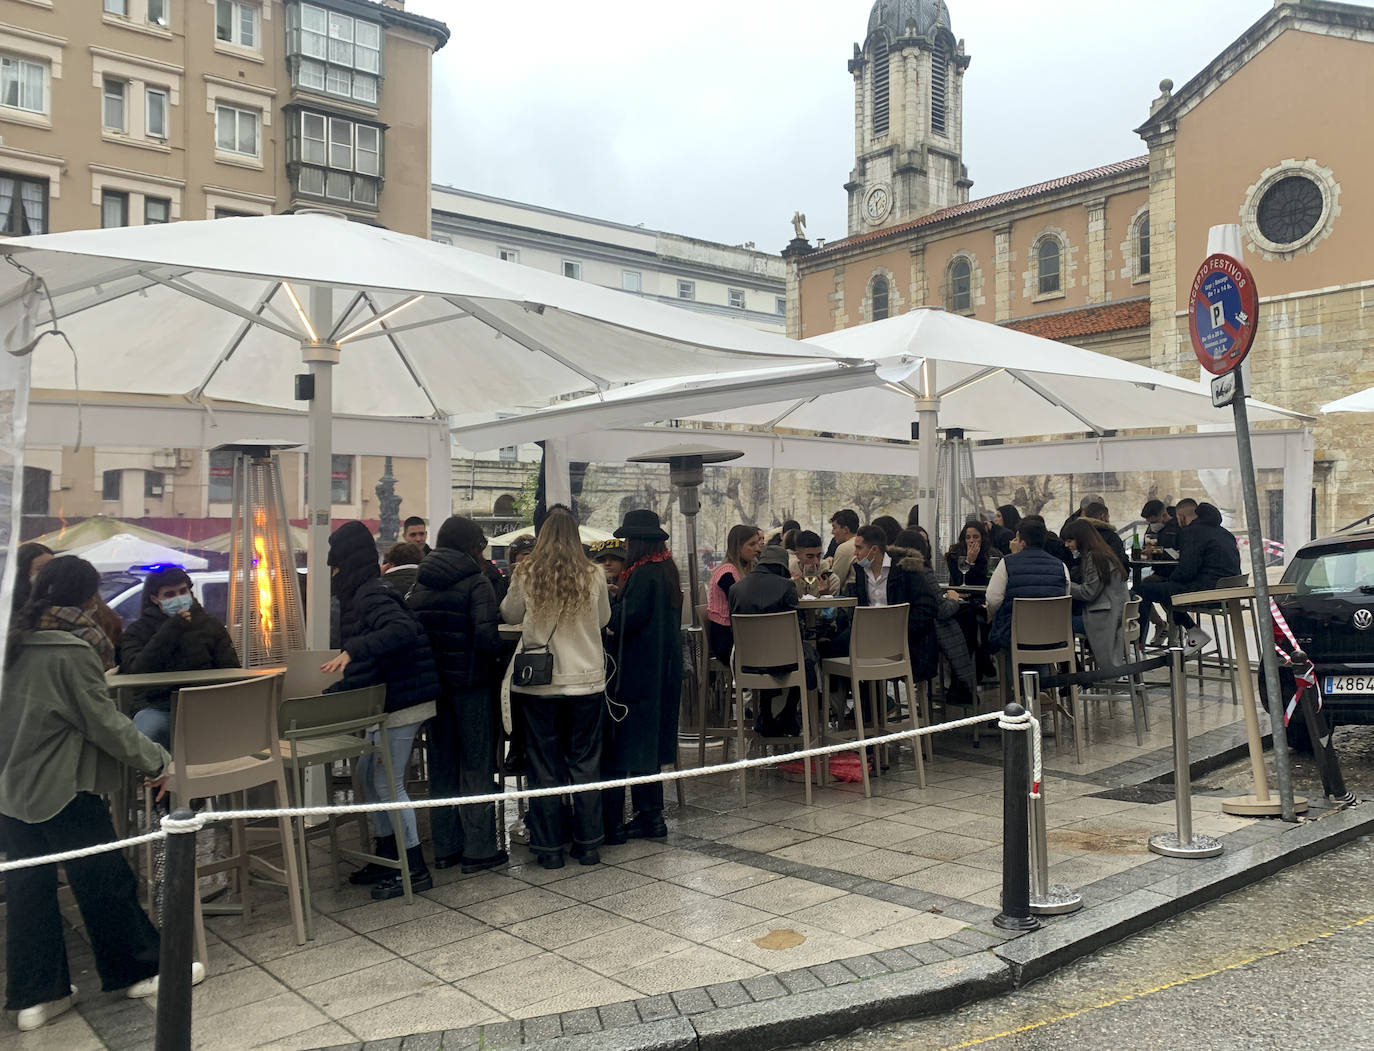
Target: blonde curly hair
x: 557, y: 576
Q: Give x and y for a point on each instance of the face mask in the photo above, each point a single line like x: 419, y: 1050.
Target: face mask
x: 176, y: 604
x: 864, y: 563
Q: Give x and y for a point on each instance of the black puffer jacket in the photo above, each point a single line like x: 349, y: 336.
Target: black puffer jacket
x: 386, y: 645
x: 456, y: 605
x: 156, y: 642
x: 768, y: 589
x: 1207, y: 552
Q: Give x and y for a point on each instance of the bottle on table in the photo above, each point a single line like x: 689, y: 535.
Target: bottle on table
x: 1135, y: 545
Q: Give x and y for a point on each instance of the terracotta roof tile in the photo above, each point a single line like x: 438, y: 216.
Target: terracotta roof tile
x: 1089, y: 321
x: 984, y: 204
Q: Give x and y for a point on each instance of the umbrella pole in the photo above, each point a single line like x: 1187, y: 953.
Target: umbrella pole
x: 928, y: 451
x: 320, y: 357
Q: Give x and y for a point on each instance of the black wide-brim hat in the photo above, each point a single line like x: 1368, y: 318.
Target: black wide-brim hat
x: 641, y: 524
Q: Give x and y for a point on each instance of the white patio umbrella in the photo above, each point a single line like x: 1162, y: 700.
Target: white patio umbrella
x: 587, y: 534
x: 1361, y: 401
x: 387, y: 325
x: 124, y: 551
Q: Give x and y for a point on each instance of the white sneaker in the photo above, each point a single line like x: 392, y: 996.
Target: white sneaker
x: 31, y: 1018
x: 1194, y: 641
x: 148, y: 987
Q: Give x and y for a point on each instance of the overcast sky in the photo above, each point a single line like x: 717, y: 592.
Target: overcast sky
x: 719, y: 118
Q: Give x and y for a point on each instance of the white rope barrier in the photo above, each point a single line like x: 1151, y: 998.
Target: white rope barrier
x: 171, y: 826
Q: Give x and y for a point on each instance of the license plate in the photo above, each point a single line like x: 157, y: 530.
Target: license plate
x: 1348, y: 684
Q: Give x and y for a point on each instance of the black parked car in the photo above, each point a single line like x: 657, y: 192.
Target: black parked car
x: 1332, y: 617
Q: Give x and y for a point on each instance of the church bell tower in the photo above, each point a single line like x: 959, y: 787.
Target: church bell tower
x: 908, y: 116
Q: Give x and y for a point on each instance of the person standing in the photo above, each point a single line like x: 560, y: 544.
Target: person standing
x: 399, y: 566
x: 383, y: 644
x: 647, y: 647
x: 559, y: 599
x: 415, y: 531
x: 173, y: 633
x: 62, y: 743
x: 456, y: 605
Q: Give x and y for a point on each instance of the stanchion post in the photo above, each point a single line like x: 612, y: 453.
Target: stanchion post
x: 1046, y: 898
x: 1184, y: 844
x: 1016, y: 779
x: 173, y: 1031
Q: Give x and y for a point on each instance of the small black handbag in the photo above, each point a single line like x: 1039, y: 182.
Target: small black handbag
x: 533, y: 666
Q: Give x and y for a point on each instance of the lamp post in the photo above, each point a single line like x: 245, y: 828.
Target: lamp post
x: 685, y: 470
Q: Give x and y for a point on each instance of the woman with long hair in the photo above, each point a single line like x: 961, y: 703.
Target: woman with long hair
x: 967, y: 559
x: 1004, y: 524
x: 28, y: 563
x: 645, y: 642
x: 558, y: 597
x: 1102, y: 590
x: 742, y: 546
x: 382, y: 644
x: 62, y: 744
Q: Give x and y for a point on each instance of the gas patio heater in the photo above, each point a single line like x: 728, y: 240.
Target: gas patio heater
x: 264, y: 609
x: 957, y: 491
x: 685, y: 471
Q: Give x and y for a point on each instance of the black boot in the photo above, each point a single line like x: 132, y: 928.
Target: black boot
x: 648, y: 824
x: 420, y: 878
x: 383, y: 847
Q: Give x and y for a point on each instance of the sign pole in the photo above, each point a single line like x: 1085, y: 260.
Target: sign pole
x: 1264, y: 624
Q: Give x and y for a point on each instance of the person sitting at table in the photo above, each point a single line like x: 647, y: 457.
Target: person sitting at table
x: 890, y: 527
x: 1053, y: 544
x: 172, y: 633
x: 780, y: 534
x: 1101, y: 519
x: 62, y: 743
x: 1207, y: 553
x: 456, y: 605
x: 1101, y: 588
x: 1160, y: 525
x: 646, y: 636
x: 844, y: 524
x: 812, y: 578
x: 400, y: 565
x: 1004, y: 523
x: 383, y: 644
x: 968, y: 557
x: 769, y: 589
x: 912, y: 554
x: 1082, y: 507
x: 1031, y: 572
x: 742, y: 545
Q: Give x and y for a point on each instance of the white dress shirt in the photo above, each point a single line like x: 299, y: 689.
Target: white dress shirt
x: 877, y: 582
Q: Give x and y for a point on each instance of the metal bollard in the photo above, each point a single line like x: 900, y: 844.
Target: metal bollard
x: 173, y: 1031
x: 1016, y: 778
x: 1046, y: 898
x: 1184, y: 844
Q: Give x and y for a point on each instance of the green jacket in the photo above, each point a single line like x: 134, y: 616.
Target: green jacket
x: 60, y: 732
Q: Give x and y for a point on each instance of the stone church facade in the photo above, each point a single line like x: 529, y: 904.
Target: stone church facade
x: 1104, y: 258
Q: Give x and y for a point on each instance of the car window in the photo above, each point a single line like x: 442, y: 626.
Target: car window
x: 128, y: 605
x: 1333, y: 572
x: 215, y: 599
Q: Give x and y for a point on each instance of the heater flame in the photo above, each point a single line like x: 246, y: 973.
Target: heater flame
x: 262, y: 574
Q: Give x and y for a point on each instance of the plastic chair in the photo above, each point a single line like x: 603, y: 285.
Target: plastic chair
x: 1134, y: 692
x: 768, y: 655
x: 719, y: 689
x: 1042, y: 633
x: 878, y: 653
x: 321, y: 731
x: 225, y: 741
x: 303, y: 675
x: 1130, y: 630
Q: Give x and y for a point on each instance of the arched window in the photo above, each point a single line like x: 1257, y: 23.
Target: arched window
x: 880, y: 84
x: 880, y: 298
x: 939, y: 89
x: 505, y: 506
x: 960, y: 286
x: 1142, y: 245
x: 1047, y: 260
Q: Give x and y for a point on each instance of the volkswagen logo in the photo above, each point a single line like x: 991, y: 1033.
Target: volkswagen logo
x: 1363, y: 619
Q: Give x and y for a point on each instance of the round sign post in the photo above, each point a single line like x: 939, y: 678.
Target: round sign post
x: 1223, y: 313
x: 1223, y: 308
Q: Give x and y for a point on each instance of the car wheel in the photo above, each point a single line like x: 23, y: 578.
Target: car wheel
x: 1298, y: 738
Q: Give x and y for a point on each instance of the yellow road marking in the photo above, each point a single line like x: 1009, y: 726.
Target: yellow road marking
x: 1157, y: 989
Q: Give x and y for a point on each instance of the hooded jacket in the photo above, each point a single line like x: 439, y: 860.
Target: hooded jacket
x: 768, y: 588
x: 1207, y: 552
x: 156, y: 642
x: 456, y: 605
x: 60, y: 733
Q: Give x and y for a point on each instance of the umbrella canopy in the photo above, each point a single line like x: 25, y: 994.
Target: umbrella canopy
x: 994, y: 382
x: 223, y: 543
x: 100, y: 527
x: 587, y: 534
x: 123, y: 551
x: 1361, y: 401
x: 220, y: 309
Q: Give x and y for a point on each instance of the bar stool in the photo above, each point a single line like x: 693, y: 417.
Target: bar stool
x: 1220, y: 665
x: 768, y: 655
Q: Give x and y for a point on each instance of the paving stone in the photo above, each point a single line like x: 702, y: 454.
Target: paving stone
x: 577, y: 1022
x: 764, y: 987
x: 802, y: 980
x: 501, y: 1034
x: 669, y: 1034
x: 693, y: 1001
x: 832, y: 973
x: 423, y: 1042
x: 653, y: 1008
x: 865, y: 966
x: 1040, y: 952
x: 975, y: 938
x: 954, y: 947
x: 545, y: 1027
x: 897, y: 959
x: 462, y: 1039
x: 728, y: 994
x: 392, y: 1043
x: 614, y: 1016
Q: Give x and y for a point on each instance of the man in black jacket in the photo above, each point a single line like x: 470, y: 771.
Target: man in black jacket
x: 769, y: 588
x: 1207, y: 553
x: 456, y: 605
